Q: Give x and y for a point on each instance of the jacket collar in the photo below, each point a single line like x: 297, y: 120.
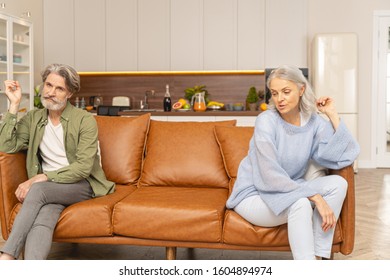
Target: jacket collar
x: 64, y: 116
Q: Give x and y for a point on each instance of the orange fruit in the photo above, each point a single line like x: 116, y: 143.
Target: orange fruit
x: 263, y: 106
x: 177, y: 105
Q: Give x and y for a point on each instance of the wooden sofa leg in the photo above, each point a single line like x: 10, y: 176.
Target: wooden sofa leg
x: 171, y: 253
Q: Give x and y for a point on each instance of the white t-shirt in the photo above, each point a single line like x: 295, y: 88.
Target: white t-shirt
x: 52, y: 148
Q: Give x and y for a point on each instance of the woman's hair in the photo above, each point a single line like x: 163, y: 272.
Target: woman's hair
x: 307, y: 103
x: 72, y: 78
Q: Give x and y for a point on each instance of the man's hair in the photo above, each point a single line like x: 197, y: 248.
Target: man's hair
x: 307, y: 103
x: 72, y: 78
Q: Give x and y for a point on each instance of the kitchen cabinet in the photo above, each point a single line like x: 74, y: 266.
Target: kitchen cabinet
x: 121, y: 35
x: 175, y: 35
x: 59, y: 30
x: 16, y: 59
x: 153, y: 35
x: 90, y: 35
x: 186, y: 35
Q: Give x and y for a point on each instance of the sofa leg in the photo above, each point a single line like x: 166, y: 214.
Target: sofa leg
x: 171, y: 253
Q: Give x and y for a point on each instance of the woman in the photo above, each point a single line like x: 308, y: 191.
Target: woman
x: 270, y: 189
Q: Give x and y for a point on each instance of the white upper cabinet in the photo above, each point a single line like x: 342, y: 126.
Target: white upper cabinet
x: 58, y: 39
x: 153, y: 35
x: 121, y: 35
x: 90, y: 35
x: 176, y: 35
x: 286, y: 33
x: 251, y: 35
x: 220, y: 34
x: 186, y: 35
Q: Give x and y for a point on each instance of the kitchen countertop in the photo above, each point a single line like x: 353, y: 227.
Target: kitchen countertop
x: 191, y: 113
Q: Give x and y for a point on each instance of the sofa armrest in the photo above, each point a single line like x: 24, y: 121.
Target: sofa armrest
x: 12, y: 173
x: 347, y: 215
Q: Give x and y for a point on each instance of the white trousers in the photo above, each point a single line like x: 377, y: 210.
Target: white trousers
x: 306, y: 237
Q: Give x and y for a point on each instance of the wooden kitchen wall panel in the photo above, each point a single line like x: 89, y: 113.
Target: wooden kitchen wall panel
x: 227, y: 88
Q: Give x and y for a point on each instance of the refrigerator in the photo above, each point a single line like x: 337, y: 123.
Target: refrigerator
x: 334, y: 73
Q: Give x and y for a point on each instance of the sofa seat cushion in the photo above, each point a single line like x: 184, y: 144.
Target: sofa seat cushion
x: 171, y: 213
x: 237, y: 231
x: 91, y: 218
x: 122, y: 143
x: 184, y: 154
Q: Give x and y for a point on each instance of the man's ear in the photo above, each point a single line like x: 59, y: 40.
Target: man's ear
x: 70, y: 95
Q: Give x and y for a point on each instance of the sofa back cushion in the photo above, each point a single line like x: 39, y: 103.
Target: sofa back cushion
x: 234, y: 145
x: 184, y: 154
x: 122, y: 144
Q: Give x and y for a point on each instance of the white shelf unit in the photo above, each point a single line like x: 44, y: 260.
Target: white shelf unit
x: 16, y: 59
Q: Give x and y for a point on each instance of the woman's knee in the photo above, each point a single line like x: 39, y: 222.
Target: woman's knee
x: 301, y: 205
x: 338, y: 184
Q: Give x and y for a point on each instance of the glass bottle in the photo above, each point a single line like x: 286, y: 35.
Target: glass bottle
x: 167, y: 100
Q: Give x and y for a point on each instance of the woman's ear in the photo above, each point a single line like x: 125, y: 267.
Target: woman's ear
x: 302, y: 90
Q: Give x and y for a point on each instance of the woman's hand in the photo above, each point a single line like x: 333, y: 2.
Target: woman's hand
x: 325, y: 105
x: 14, y: 95
x: 23, y: 188
x: 327, y: 214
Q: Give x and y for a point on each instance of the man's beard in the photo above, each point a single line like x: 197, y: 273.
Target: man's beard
x: 54, y: 106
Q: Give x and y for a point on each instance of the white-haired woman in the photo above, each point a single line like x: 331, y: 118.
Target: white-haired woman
x: 271, y: 188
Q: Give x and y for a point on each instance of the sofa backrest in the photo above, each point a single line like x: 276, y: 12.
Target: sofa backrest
x: 234, y: 145
x: 122, y: 144
x: 184, y: 154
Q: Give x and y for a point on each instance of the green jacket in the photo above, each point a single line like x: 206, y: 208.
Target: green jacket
x: 81, y: 145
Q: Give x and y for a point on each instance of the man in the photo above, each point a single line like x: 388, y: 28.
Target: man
x: 63, y: 166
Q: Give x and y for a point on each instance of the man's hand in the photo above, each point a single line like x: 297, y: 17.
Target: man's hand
x: 23, y: 188
x: 14, y: 95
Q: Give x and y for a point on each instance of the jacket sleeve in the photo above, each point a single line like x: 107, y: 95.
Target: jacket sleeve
x: 14, y: 135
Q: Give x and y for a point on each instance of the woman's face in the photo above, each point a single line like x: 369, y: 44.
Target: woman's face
x: 285, y: 95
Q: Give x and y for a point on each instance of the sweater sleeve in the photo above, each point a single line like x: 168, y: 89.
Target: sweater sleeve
x: 273, y: 183
x: 334, y: 149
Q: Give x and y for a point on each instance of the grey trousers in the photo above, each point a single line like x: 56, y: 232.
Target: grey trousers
x: 306, y: 237
x: 35, y: 223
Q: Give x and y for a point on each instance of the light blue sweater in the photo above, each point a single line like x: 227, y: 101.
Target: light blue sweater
x: 279, y: 154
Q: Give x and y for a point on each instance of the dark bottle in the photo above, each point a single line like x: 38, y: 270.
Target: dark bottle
x: 167, y: 100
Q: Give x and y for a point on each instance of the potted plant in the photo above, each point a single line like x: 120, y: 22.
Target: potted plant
x: 37, y: 98
x: 189, y: 92
x: 251, y: 99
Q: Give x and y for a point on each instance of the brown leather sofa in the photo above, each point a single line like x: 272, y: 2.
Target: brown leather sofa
x: 173, y: 179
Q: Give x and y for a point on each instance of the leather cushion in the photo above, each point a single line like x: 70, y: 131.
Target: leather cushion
x: 170, y: 213
x: 237, y: 231
x: 122, y: 143
x: 89, y: 218
x: 184, y: 154
x: 234, y: 145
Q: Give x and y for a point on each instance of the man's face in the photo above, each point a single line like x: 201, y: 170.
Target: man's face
x: 55, y: 94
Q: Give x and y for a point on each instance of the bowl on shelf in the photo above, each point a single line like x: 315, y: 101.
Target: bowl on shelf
x: 238, y: 107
